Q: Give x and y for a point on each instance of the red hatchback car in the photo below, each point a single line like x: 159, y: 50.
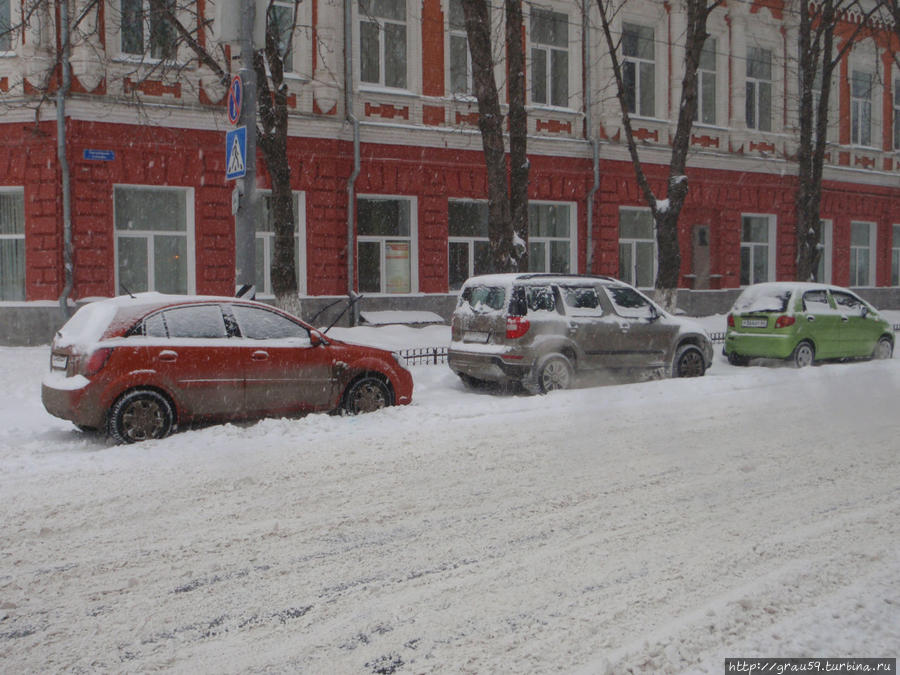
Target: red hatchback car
x: 139, y: 366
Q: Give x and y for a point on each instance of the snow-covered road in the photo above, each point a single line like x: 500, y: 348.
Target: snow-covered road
x: 651, y: 527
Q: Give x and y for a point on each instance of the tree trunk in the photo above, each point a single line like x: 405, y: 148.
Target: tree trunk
x: 490, y: 123
x: 518, y: 133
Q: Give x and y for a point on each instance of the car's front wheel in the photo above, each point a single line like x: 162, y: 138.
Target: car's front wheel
x: 688, y: 362
x: 804, y: 355
x: 884, y: 349
x: 140, y: 415
x: 555, y: 372
x: 366, y: 394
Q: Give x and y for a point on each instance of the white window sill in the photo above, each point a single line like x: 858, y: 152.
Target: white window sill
x: 370, y: 88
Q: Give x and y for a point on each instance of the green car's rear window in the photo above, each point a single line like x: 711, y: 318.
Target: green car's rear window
x: 765, y: 299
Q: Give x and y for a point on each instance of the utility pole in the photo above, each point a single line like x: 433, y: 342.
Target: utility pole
x: 245, y: 235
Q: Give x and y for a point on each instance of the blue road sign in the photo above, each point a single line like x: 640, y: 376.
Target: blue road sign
x: 235, y: 98
x: 236, y: 153
x: 99, y: 155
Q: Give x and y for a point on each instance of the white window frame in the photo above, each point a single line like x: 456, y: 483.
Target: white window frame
x: 457, y: 33
x: 295, y: 10
x: 145, y: 54
x: 636, y: 61
x: 825, y: 247
x: 572, y: 239
x: 268, y: 242
x: 6, y: 41
x: 752, y: 246
x: 632, y: 243
x: 469, y: 241
x: 17, y: 237
x: 148, y: 235
x: 757, y: 83
x: 895, y: 256
x: 861, y: 109
x: 380, y: 23
x: 550, y: 53
x: 701, y: 86
x: 855, y: 250
x: 412, y: 238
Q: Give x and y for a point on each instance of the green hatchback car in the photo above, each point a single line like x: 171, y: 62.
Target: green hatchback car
x: 804, y: 322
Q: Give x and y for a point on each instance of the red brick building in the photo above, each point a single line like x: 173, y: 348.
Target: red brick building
x: 151, y: 208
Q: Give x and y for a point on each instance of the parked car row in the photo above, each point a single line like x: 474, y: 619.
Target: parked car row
x: 136, y: 367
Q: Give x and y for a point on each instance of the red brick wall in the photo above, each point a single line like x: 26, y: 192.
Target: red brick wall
x: 320, y: 168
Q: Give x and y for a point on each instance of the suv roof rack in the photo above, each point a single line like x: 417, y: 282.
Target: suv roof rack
x: 558, y: 275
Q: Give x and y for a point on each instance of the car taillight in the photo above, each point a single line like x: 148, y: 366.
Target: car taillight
x: 784, y: 321
x: 516, y: 327
x: 731, y: 320
x: 95, y: 362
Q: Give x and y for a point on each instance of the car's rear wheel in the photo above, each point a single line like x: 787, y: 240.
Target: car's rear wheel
x: 884, y: 349
x: 140, y: 415
x: 366, y: 394
x: 555, y: 372
x: 804, y: 355
x: 688, y: 362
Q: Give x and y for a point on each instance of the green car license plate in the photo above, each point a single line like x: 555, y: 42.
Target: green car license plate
x: 754, y: 323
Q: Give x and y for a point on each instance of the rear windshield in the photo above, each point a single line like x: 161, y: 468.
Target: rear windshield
x: 763, y: 299
x: 483, y: 299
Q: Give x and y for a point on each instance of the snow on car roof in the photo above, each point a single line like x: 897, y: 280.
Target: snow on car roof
x: 507, y: 279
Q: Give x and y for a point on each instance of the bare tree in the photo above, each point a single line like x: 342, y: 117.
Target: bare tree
x: 507, y: 197
x: 665, y: 212
x: 817, y: 62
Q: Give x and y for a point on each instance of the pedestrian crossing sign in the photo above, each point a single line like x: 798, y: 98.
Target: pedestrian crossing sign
x: 236, y: 153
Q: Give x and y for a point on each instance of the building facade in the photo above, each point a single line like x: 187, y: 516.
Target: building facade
x: 152, y: 209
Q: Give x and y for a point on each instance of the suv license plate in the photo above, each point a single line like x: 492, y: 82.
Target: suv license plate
x: 754, y: 323
x: 475, y: 336
x: 59, y: 361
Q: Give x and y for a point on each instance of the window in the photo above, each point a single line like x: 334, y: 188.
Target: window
x: 382, y: 37
x: 897, y: 114
x: 154, y: 249
x: 637, y: 247
x: 281, y: 20
x: 12, y: 244
x: 816, y: 302
x: 550, y: 245
x: 145, y: 26
x: 895, y: 257
x: 5, y: 26
x: 385, y: 245
x: 629, y: 303
x: 823, y: 271
x: 706, y: 84
x: 460, y: 60
x: 468, y: 246
x: 265, y: 243
x: 195, y: 321
x: 261, y: 324
x: 639, y: 69
x: 862, y: 245
x: 759, y: 89
x: 582, y: 300
x: 757, y: 249
x: 861, y: 107
x: 549, y: 57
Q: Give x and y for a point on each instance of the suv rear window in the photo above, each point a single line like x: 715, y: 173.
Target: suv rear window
x: 483, y: 299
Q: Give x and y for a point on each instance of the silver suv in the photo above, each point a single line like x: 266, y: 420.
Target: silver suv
x: 540, y: 329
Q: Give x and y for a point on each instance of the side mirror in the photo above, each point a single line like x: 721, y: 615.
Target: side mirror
x: 864, y: 311
x: 316, y: 339
x: 654, y: 314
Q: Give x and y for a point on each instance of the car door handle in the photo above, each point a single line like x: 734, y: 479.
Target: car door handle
x: 168, y: 356
x: 844, y: 318
x: 260, y: 355
x: 810, y: 318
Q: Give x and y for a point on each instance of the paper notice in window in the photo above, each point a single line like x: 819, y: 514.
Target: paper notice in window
x: 396, y: 254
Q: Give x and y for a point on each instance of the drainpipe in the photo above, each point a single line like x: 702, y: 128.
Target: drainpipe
x: 351, y: 181
x: 595, y: 146
x: 61, y: 94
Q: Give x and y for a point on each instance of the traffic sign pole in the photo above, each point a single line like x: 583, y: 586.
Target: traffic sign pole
x: 245, y: 234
